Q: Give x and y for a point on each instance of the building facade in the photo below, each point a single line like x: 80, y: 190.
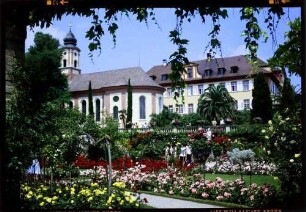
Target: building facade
x: 109, y: 88
x: 234, y: 73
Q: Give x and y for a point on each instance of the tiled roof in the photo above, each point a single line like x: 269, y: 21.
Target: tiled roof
x: 226, y: 62
x: 111, y: 78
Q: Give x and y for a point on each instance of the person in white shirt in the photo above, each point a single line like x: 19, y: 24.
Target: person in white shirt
x: 208, y: 134
x: 222, y: 122
x: 188, y: 153
x: 182, y: 154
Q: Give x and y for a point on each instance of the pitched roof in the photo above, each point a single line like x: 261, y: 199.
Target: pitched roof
x: 112, y: 78
x: 226, y: 62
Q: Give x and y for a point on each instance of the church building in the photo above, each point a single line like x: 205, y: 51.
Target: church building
x: 109, y: 88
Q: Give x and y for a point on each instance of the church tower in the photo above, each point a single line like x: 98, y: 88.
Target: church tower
x: 70, y: 64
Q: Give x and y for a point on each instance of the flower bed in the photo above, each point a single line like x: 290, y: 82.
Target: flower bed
x: 174, y: 183
x: 77, y: 196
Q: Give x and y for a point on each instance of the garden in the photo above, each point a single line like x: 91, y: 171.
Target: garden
x: 254, y: 166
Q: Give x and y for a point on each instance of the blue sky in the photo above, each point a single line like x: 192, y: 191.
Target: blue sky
x: 146, y: 46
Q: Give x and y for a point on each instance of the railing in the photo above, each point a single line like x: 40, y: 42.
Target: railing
x: 186, y: 129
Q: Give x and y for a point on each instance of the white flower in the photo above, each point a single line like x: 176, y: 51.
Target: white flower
x: 297, y: 155
x: 270, y: 122
x: 266, y: 137
x: 292, y: 142
x: 291, y: 160
x: 269, y: 152
x: 263, y: 131
x: 275, y: 144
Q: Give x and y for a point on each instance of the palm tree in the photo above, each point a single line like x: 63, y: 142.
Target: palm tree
x: 216, y: 103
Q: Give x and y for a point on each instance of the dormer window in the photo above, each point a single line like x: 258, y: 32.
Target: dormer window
x: 221, y: 71
x: 207, y: 72
x: 234, y: 69
x: 164, y: 77
x: 189, y: 73
x: 153, y: 77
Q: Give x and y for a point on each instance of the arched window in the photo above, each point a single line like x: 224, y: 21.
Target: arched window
x: 64, y: 63
x: 75, y: 63
x: 98, y: 111
x: 142, y: 107
x: 115, y: 112
x: 84, y: 107
x: 160, y: 104
x: 70, y: 104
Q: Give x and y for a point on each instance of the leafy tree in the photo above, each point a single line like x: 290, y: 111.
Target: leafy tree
x: 163, y: 119
x: 130, y: 102
x: 288, y: 54
x: 216, y: 103
x: 287, y: 100
x: 90, y: 102
x: 262, y: 102
x: 37, y: 101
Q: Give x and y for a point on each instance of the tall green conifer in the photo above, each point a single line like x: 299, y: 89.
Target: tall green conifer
x: 90, y: 102
x: 130, y: 102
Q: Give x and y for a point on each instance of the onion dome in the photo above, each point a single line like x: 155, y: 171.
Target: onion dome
x: 70, y: 40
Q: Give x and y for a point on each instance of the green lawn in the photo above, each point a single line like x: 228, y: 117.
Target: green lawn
x: 258, y: 179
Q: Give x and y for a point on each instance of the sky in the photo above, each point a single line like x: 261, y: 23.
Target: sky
x: 144, y: 45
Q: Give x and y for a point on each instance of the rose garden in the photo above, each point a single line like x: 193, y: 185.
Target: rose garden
x: 253, y: 166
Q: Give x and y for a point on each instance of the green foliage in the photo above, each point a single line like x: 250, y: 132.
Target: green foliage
x: 130, y: 103
x: 216, y: 103
x: 90, y: 102
x: 283, y: 138
x: 243, y: 117
x: 261, y: 96
x: 287, y: 101
x: 288, y: 54
x: 163, y: 119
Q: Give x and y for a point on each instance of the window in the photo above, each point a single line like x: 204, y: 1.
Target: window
x: 246, y: 85
x: 200, y: 89
x: 234, y: 69
x: 160, y: 104
x: 246, y: 103
x: 273, y: 88
x: 84, y: 107
x: 75, y: 63
x: 190, y: 108
x: 234, y: 86
x: 115, y: 112
x: 64, y: 63
x: 189, y: 73
x: 116, y: 98
x: 142, y: 107
x: 179, y: 108
x: 170, y: 108
x: 98, y: 111
x: 179, y: 91
x: 221, y: 71
x: 164, y: 77
x: 70, y: 104
x: 190, y: 90
x: 169, y: 92
x: 222, y: 84
x: 207, y: 72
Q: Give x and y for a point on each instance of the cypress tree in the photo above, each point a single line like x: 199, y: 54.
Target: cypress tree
x: 130, y: 101
x: 287, y: 100
x: 90, y: 103
x: 262, y: 102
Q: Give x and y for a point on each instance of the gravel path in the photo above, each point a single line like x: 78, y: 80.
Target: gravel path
x: 165, y: 202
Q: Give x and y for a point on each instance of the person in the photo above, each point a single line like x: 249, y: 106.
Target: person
x: 34, y: 169
x: 182, y: 154
x: 222, y: 122
x: 188, y: 153
x: 214, y: 122
x: 208, y: 134
x: 167, y: 151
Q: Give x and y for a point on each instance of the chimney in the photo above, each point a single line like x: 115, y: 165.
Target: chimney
x: 164, y: 62
x: 208, y: 56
